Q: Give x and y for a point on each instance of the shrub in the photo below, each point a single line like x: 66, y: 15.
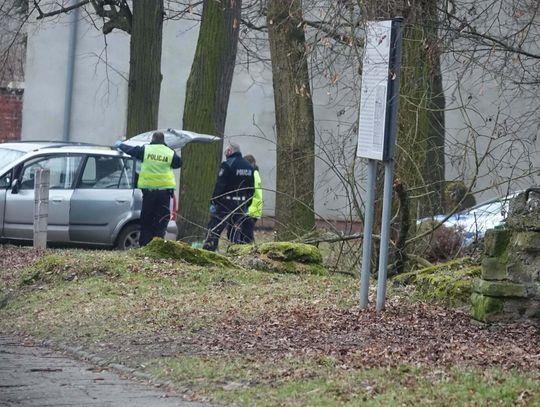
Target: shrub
x: 442, y: 244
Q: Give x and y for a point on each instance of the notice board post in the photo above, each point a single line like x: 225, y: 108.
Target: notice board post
x: 41, y: 207
x: 377, y: 128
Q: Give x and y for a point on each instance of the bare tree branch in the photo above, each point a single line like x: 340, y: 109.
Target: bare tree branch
x: 56, y: 12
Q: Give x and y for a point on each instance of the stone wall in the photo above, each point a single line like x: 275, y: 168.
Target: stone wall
x: 509, y: 287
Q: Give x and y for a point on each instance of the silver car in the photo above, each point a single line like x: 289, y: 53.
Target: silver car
x: 92, y: 196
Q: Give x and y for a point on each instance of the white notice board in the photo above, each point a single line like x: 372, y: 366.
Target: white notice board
x: 373, y: 99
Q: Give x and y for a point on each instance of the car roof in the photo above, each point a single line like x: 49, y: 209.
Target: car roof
x: 29, y: 146
x: 31, y: 149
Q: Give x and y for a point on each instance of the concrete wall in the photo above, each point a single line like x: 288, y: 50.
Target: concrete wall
x: 99, y: 88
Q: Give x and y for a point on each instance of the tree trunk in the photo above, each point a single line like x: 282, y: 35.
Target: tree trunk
x: 205, y: 111
x: 420, y: 155
x: 435, y: 170
x: 144, y: 66
x: 295, y: 128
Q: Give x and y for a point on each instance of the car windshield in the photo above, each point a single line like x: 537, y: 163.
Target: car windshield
x: 7, y: 156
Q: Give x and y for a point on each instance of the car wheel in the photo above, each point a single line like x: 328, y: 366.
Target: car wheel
x: 129, y: 237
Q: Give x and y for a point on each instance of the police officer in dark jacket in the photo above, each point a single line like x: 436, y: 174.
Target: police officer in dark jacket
x: 231, y: 197
x: 157, y: 182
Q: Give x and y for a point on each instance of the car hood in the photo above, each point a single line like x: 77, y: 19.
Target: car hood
x: 175, y: 139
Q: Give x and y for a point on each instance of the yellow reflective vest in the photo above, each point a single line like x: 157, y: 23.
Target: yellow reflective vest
x: 255, y: 209
x: 156, y: 171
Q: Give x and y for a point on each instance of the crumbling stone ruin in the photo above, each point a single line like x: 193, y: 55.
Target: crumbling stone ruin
x: 509, y: 287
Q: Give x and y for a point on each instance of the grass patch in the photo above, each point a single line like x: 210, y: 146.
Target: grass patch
x: 178, y: 321
x: 105, y: 294
x: 323, y: 382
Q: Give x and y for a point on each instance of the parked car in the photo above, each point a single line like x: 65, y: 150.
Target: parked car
x: 475, y: 221
x: 92, y: 196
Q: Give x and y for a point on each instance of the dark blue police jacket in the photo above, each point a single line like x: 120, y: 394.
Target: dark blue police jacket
x: 235, y: 182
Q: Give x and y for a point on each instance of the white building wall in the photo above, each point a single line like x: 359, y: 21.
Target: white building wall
x: 100, y: 94
x: 43, y: 107
x: 100, y: 98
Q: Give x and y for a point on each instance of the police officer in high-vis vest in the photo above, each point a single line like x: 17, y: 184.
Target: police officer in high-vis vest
x: 231, y: 197
x: 157, y: 182
x: 255, y: 209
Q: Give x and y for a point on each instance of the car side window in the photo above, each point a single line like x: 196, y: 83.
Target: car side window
x: 5, y: 180
x: 62, y: 171
x: 106, y: 172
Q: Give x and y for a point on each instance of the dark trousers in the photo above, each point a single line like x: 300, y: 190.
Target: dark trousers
x: 248, y: 229
x: 230, y: 219
x: 155, y: 214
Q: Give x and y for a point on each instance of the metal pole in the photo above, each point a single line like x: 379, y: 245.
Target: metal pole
x: 393, y: 99
x: 385, y: 232
x: 368, y: 232
x: 68, y: 98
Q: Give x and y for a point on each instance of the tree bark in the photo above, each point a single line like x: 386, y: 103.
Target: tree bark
x: 295, y: 130
x: 435, y: 170
x: 205, y: 111
x: 144, y: 66
x: 420, y: 157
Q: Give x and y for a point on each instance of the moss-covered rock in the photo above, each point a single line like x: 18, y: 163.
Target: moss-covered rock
x: 448, y: 283
x: 241, y: 249
x: 167, y: 249
x: 289, y: 267
x: 496, y: 241
x: 289, y: 251
x: 521, y: 217
x: 494, y: 269
x: 280, y: 257
x: 501, y: 288
x: 485, y: 308
x: 527, y: 241
x: 520, y: 273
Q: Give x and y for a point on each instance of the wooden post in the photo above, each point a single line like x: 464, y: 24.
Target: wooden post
x: 41, y: 207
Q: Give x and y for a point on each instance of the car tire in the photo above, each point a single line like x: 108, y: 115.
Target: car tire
x: 129, y: 237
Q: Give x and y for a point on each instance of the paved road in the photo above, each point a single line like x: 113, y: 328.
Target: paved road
x: 36, y: 376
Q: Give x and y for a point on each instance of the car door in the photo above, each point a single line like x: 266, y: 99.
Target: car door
x: 19, y: 201
x: 5, y: 184
x: 103, y: 199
